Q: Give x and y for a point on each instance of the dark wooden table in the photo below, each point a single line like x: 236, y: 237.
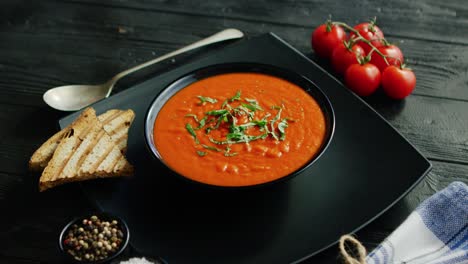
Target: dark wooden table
x: 44, y: 44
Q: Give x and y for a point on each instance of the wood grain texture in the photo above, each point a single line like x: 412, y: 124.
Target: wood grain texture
x: 34, y: 221
x: 437, y: 127
x: 18, y: 260
x: 425, y: 19
x: 7, y: 182
x: 89, y: 42
x: 50, y: 43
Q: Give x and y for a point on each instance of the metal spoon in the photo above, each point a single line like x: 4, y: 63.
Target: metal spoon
x: 75, y: 97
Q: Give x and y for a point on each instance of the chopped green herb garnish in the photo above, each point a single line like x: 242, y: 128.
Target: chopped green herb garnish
x: 222, y: 117
x: 204, y: 99
x: 225, y: 103
x: 229, y: 154
x: 236, y: 97
x: 237, y: 133
x: 252, y: 101
x: 259, y: 123
x: 262, y: 136
x: 211, y: 120
x: 194, y: 117
x: 253, y: 105
x: 241, y: 109
x: 211, y: 148
x: 275, y: 107
x: 282, y: 128
x: 192, y: 132
x: 202, y: 122
x: 272, y: 123
x: 239, y: 139
x: 250, y: 107
x: 201, y: 153
x: 219, y: 112
x: 217, y: 141
x: 236, y: 136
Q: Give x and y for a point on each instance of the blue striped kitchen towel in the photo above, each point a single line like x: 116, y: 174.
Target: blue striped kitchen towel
x: 436, y: 232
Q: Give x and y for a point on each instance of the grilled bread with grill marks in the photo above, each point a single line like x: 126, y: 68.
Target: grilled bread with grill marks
x: 116, y: 124
x: 85, y: 152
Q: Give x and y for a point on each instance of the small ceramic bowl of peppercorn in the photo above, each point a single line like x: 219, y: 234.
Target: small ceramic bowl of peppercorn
x: 97, y: 238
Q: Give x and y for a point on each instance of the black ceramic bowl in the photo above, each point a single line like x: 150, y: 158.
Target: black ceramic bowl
x: 103, y: 217
x: 218, y: 69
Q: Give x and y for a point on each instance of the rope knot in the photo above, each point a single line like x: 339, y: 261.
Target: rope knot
x: 351, y: 250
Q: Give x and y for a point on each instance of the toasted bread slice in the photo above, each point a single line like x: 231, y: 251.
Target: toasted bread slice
x: 109, y: 115
x: 43, y: 154
x: 116, y: 123
x: 117, y: 127
x: 85, y: 152
x: 65, y: 149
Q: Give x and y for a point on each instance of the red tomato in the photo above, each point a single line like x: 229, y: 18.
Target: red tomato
x: 370, y: 32
x: 323, y: 41
x: 362, y: 79
x: 398, y: 83
x: 394, y: 57
x: 343, y: 56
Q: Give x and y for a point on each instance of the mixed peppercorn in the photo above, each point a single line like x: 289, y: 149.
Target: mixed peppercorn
x: 93, y: 239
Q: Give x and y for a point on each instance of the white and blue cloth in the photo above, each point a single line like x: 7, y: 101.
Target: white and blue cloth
x: 436, y: 232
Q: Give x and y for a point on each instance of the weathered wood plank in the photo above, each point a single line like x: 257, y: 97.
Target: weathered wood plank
x: 23, y: 129
x: 30, y: 228
x: 442, y: 70
x: 437, y: 127
x: 77, y: 47
x: 26, y: 82
x: 424, y: 19
x: 17, y: 260
x: 441, y: 176
x: 6, y: 182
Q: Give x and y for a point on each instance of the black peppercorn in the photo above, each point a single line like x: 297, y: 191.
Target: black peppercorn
x: 93, y: 239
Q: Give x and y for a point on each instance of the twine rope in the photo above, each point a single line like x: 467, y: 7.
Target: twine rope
x: 351, y: 250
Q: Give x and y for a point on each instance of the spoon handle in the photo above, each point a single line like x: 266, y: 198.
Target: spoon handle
x: 226, y: 34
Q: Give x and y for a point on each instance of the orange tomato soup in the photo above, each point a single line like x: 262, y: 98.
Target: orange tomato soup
x: 239, y: 129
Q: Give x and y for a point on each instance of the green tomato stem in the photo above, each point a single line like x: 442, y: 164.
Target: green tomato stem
x: 361, y: 38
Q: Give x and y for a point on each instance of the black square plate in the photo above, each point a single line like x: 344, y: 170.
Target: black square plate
x: 367, y: 168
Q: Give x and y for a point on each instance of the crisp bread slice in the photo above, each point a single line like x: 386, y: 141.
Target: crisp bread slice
x: 117, y: 127
x: 85, y: 152
x: 116, y: 123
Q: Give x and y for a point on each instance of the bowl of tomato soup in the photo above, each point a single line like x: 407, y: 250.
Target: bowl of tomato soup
x: 239, y: 125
